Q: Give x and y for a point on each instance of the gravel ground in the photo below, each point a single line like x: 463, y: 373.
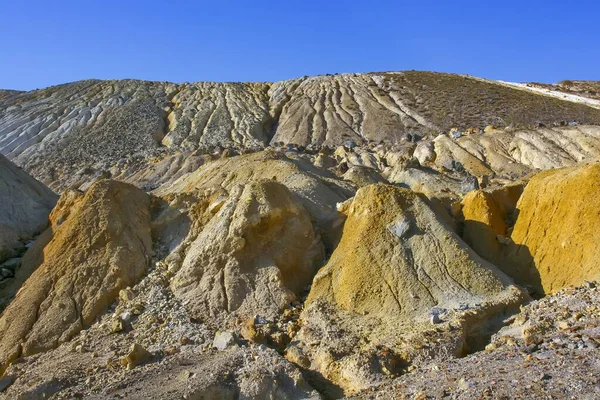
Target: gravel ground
x: 548, y: 351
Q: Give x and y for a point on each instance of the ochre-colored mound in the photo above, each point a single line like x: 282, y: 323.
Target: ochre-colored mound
x: 396, y: 266
x: 395, y: 247
x: 557, y: 231
x: 100, y: 244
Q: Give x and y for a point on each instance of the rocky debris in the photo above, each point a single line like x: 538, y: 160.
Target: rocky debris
x: 224, y: 340
x: 555, y: 235
x: 276, y: 333
x: 376, y: 295
x: 99, y: 243
x: 548, y: 350
x: 137, y: 356
x: 26, y: 204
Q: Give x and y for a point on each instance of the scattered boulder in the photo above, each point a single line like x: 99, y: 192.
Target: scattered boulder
x: 99, y: 244
x: 425, y: 153
x: 325, y: 161
x: 138, y: 355
x: 224, y: 340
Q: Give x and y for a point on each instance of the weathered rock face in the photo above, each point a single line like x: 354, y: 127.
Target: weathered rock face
x: 26, y: 204
x: 396, y: 262
x: 319, y: 191
x: 556, y: 234
x: 100, y: 244
x: 252, y: 257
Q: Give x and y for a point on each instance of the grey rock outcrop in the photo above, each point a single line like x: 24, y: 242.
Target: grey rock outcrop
x: 25, y: 206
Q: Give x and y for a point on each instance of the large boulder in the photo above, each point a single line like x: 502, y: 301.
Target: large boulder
x: 255, y: 251
x: 26, y: 204
x: 556, y: 235
x: 99, y: 243
x: 397, y: 268
x: 487, y: 216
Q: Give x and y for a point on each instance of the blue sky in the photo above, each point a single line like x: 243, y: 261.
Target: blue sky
x: 51, y: 42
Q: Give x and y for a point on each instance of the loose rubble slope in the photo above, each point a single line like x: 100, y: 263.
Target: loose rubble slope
x: 549, y: 350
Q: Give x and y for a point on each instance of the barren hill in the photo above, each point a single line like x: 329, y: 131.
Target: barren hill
x: 72, y: 128
x: 321, y: 237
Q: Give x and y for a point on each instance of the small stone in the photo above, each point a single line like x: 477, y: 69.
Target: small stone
x: 6, y: 273
x: 6, y: 382
x: 169, y: 351
x: 12, y: 264
x: 117, y: 325
x: 184, y: 340
x: 545, y: 377
x: 137, y: 356
x: 185, y: 375
x: 490, y: 347
x: 126, y: 295
x: 224, y: 340
x: 564, y: 325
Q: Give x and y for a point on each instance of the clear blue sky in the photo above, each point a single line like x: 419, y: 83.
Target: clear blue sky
x: 49, y: 42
